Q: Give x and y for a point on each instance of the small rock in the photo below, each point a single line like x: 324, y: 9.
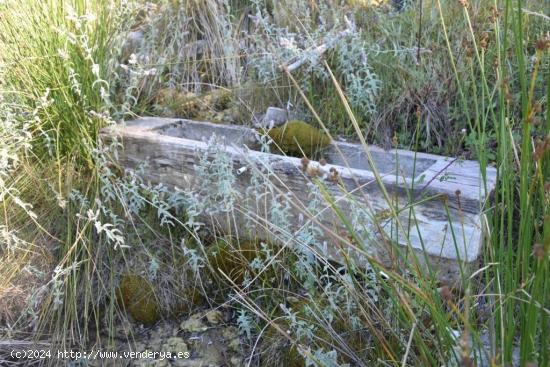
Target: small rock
x: 193, y: 324
x: 235, y: 345
x: 274, y: 117
x: 176, y: 344
x: 215, y: 317
x: 231, y: 334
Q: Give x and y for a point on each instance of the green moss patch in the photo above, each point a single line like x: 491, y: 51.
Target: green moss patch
x: 138, y: 298
x: 233, y: 258
x: 214, y: 106
x: 298, y: 138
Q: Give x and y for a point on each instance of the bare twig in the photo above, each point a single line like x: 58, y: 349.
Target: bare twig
x: 321, y: 49
x: 543, y: 16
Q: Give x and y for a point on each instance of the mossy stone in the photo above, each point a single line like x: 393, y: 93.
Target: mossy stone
x: 191, y: 105
x: 233, y: 258
x: 178, y: 104
x: 297, y: 136
x: 138, y: 297
x: 218, y: 99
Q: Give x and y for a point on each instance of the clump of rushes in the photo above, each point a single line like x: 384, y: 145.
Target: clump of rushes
x: 66, y: 60
x: 298, y: 138
x: 55, y: 59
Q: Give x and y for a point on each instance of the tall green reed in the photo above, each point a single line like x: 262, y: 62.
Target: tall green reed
x: 56, y: 59
x: 517, y: 278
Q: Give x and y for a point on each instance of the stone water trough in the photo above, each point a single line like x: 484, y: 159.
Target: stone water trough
x: 444, y: 228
